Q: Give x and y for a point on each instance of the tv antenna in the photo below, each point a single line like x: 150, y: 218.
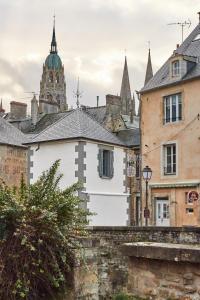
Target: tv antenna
x: 78, y: 94
x: 182, y: 24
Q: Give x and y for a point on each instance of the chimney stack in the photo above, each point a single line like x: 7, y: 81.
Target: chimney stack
x: 199, y: 16
x: 18, y: 110
x: 34, y: 110
x: 97, y: 101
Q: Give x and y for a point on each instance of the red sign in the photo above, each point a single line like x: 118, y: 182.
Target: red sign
x: 192, y: 196
x: 146, y: 213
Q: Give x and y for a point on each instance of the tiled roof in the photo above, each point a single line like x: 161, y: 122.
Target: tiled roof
x: 190, y: 47
x: 10, y: 135
x: 76, y: 124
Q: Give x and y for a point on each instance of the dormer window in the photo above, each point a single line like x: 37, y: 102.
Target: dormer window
x: 175, y: 68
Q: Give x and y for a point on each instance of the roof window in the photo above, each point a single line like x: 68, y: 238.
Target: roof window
x: 175, y: 68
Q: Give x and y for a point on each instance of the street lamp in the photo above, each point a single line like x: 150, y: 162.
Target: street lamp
x: 147, y: 173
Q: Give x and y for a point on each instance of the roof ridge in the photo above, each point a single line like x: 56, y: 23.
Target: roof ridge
x: 101, y: 125
x: 95, y: 106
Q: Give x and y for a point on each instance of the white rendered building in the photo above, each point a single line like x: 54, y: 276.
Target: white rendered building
x: 90, y: 154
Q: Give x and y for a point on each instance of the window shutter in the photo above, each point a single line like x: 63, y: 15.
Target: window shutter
x: 111, y: 164
x: 100, y: 157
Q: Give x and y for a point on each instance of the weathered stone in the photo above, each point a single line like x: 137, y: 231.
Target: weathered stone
x: 188, y: 276
x: 189, y: 289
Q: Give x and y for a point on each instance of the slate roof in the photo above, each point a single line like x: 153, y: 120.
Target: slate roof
x: 98, y: 113
x: 10, y: 135
x: 76, y: 124
x: 190, y: 47
x: 130, y: 136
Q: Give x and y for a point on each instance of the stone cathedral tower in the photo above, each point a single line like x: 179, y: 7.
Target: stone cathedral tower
x: 52, y: 96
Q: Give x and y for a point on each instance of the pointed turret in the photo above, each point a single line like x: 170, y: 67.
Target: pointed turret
x: 149, y: 70
x: 1, y: 107
x: 125, y: 93
x: 53, y: 42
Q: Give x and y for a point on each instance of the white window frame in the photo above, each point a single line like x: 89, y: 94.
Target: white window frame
x: 165, y: 146
x: 175, y: 68
x: 178, y: 100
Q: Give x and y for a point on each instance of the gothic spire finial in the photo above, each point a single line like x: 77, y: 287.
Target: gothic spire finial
x: 125, y: 92
x: 53, y: 42
x: 1, y: 107
x: 149, y: 70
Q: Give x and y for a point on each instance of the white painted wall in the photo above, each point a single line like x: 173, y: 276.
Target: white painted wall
x: 110, y: 210
x: 97, y: 184
x: 107, y: 197
x: 48, y: 153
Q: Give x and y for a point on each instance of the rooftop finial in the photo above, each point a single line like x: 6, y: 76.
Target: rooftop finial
x: 78, y: 94
x: 53, y: 42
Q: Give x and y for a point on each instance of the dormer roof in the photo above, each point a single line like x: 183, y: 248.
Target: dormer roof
x: 189, y: 50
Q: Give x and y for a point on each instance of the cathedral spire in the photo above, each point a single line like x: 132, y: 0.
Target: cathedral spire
x: 53, y: 42
x: 149, y: 70
x: 1, y: 107
x: 125, y: 92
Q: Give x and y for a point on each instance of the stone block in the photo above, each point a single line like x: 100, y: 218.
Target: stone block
x: 189, y: 289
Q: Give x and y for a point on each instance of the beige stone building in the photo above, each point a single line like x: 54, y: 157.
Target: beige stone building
x: 13, y: 155
x: 170, y: 137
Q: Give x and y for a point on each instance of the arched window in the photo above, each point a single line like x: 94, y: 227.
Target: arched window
x: 51, y: 77
x: 57, y: 78
x: 49, y: 97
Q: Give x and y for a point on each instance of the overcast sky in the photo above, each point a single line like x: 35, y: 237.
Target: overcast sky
x: 92, y: 36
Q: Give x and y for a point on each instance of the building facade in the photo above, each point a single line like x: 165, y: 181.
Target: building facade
x: 170, y: 127
x: 89, y: 154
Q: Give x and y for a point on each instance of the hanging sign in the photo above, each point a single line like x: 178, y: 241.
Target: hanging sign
x: 192, y: 196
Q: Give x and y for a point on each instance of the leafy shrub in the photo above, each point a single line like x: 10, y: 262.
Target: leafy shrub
x: 39, y: 224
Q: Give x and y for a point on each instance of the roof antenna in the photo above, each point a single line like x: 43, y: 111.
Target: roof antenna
x: 78, y: 94
x: 182, y: 24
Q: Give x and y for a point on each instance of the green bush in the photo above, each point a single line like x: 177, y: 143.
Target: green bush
x: 39, y: 224
x: 122, y: 296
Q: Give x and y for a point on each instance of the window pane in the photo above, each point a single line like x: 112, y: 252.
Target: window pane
x: 173, y: 108
x: 167, y: 109
x: 170, y: 159
x: 179, y: 107
x: 106, y: 161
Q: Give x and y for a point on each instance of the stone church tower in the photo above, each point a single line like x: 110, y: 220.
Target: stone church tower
x: 52, y: 96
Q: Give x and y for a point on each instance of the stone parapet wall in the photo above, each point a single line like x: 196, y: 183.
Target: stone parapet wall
x: 105, y: 271
x: 163, y: 280
x: 118, y: 235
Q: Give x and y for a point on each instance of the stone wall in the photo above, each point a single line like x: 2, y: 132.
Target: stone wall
x: 106, y: 271
x: 13, y: 163
x: 163, y: 280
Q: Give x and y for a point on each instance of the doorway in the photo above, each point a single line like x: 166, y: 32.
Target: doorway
x: 162, y: 212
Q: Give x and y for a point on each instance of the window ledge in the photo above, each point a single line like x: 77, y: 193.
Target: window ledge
x: 105, y: 177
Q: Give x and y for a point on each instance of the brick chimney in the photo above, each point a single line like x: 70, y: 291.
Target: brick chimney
x: 18, y: 110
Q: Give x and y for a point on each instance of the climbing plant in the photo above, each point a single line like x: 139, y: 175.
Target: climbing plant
x: 39, y: 225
